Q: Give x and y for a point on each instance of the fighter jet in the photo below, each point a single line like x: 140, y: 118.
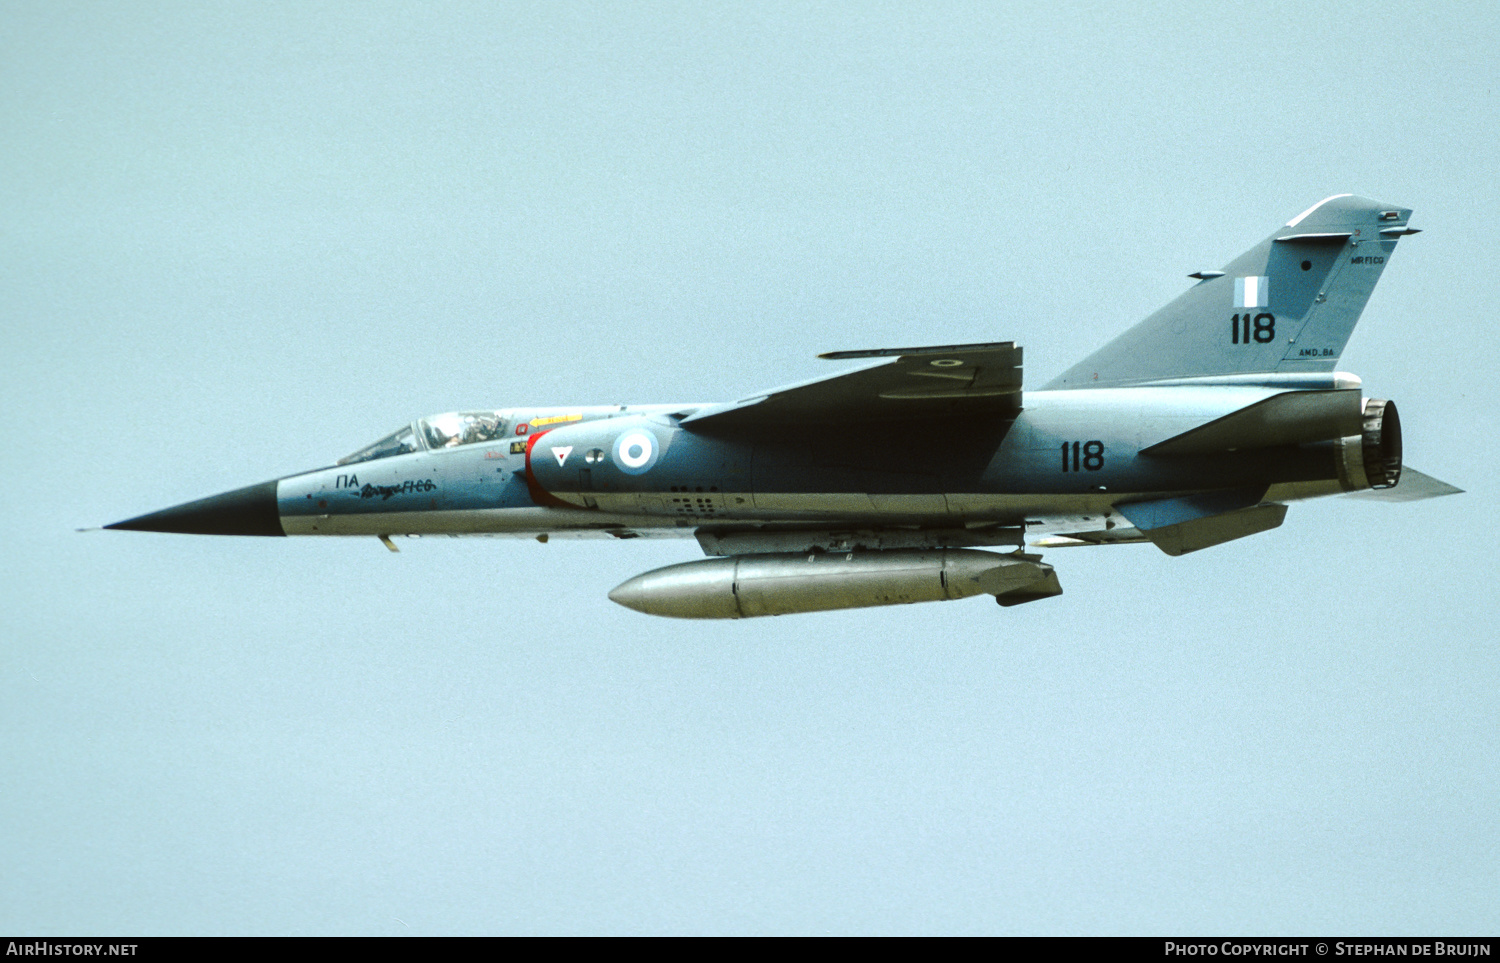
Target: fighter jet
x: 892, y: 482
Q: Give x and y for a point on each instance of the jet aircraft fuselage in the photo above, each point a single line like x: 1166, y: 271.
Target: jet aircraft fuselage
x: 878, y: 485
x: 634, y: 470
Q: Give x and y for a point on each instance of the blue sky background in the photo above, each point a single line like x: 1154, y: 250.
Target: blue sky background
x: 241, y: 240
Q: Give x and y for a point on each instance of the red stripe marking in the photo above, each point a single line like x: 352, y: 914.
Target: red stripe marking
x: 539, y: 494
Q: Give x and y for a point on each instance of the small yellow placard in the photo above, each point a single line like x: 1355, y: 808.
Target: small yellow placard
x: 556, y: 419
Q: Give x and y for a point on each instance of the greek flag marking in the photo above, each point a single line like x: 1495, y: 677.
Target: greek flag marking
x: 1252, y: 292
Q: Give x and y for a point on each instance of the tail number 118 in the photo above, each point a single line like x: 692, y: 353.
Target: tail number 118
x: 1092, y: 455
x: 1242, y: 332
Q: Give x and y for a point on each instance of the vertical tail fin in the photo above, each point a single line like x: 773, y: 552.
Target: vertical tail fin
x: 1287, y: 305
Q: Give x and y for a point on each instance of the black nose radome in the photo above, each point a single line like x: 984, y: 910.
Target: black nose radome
x: 244, y: 511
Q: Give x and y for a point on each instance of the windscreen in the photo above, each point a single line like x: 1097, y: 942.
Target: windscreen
x: 398, y: 442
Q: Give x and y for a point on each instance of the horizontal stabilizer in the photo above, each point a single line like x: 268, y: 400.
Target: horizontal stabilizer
x: 1291, y: 418
x: 1181, y: 525
x: 1413, y: 487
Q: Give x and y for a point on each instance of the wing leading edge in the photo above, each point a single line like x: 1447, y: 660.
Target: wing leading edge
x: 919, y: 383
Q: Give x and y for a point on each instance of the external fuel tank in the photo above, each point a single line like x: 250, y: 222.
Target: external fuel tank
x: 746, y: 586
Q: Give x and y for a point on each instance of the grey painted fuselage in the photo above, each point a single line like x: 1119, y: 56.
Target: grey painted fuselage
x: 1193, y: 428
x: 1013, y: 472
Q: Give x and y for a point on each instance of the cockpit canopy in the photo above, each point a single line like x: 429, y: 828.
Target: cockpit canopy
x: 448, y: 430
x: 461, y: 428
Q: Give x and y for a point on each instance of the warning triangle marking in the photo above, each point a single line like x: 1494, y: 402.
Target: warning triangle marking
x: 562, y: 454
